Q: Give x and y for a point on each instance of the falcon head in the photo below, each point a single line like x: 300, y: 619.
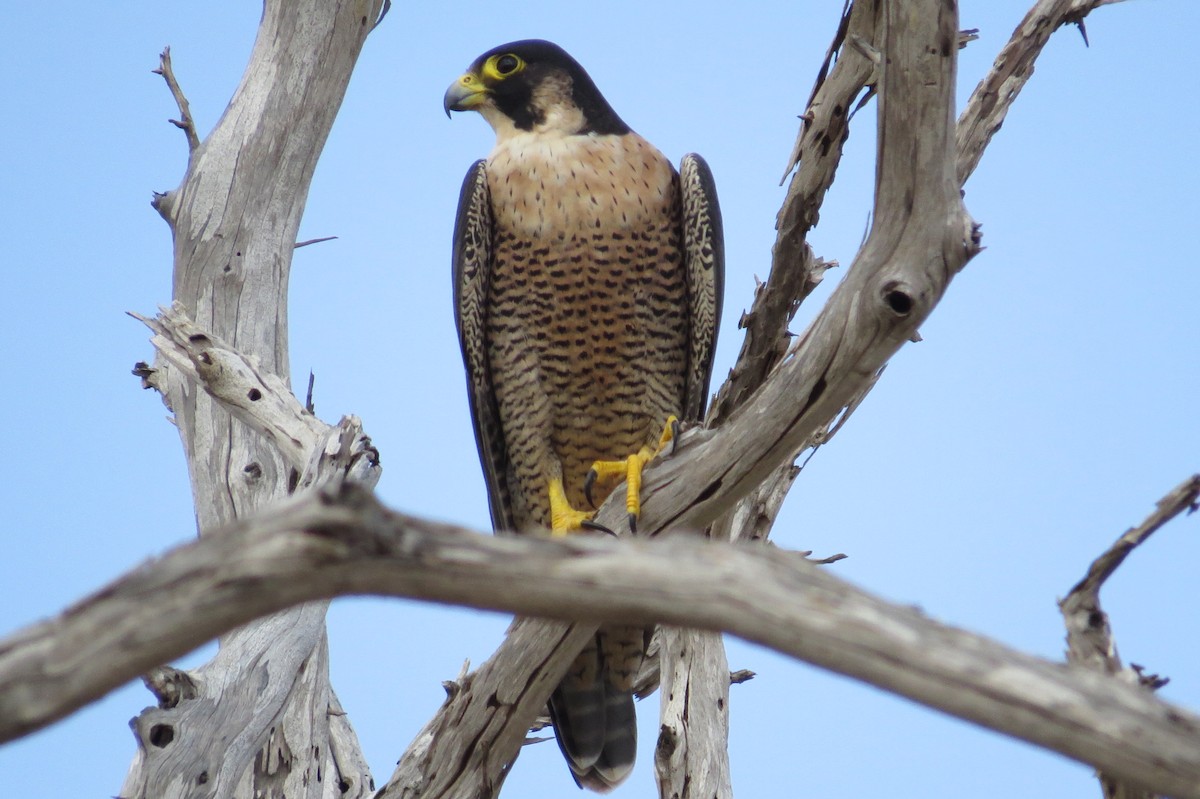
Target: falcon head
x: 533, y: 86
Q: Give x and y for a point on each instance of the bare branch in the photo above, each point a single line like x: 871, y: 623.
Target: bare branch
x: 469, y: 745
x: 1087, y: 591
x: 693, y: 739
x: 995, y: 94
x: 185, y: 121
x: 342, y: 541
x: 740, y: 676
x: 253, y: 395
x: 198, y: 711
x: 795, y: 270
x: 300, y: 244
x: 754, y: 515
x: 920, y: 237
x: 1090, y: 640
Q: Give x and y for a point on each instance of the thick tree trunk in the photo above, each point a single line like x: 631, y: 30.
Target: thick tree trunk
x: 259, y: 720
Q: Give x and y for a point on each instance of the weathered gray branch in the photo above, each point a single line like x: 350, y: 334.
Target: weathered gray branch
x: 921, y: 236
x: 259, y: 722
x: 995, y: 94
x: 691, y: 756
x: 185, y: 121
x: 254, y: 396
x: 1090, y: 640
x: 843, y: 83
x: 795, y: 270
x: 340, y: 540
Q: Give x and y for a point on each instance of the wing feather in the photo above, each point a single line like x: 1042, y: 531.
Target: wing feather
x: 704, y: 262
x: 472, y: 270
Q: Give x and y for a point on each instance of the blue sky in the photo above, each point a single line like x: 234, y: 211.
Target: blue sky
x: 1052, y: 401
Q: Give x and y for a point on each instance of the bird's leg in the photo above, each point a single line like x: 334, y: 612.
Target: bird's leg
x: 563, y: 518
x: 631, y: 470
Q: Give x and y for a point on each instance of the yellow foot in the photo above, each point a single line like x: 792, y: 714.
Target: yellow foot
x: 631, y: 470
x: 564, y: 518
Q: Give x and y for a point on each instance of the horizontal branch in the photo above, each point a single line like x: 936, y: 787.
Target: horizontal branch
x: 341, y: 541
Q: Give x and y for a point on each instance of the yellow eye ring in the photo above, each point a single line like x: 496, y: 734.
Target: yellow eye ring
x: 507, y: 64
x: 503, y: 66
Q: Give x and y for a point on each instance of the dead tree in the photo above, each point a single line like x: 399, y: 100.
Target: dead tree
x: 289, y: 521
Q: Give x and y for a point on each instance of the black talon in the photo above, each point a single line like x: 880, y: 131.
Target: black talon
x: 674, y: 435
x: 588, y: 524
x: 588, y: 482
x: 633, y: 523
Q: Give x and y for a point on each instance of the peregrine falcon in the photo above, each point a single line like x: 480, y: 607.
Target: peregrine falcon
x: 588, y: 276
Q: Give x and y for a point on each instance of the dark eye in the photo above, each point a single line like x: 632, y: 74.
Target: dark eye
x: 507, y: 64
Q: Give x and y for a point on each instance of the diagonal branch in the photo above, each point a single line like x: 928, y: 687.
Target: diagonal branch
x: 795, y: 270
x: 254, y: 396
x: 995, y: 94
x: 920, y: 238
x: 1090, y: 640
x: 185, y: 121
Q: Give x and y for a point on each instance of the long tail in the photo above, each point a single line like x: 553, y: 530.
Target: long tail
x: 592, y: 709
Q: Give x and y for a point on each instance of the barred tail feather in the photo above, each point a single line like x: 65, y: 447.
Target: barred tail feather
x: 596, y: 729
x: 592, y: 708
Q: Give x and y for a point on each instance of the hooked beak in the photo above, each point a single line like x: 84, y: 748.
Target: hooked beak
x: 464, y: 94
